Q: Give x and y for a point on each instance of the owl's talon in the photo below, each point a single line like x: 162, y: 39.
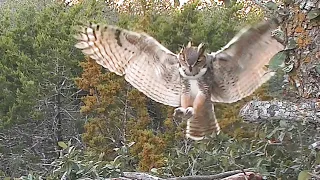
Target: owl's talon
x: 189, y: 112
x: 179, y: 112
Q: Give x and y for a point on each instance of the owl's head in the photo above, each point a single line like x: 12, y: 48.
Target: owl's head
x: 192, y: 61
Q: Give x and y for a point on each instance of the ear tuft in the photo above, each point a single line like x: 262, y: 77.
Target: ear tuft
x: 201, y: 48
x: 189, y: 44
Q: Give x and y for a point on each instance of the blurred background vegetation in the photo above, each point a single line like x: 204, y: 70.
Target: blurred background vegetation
x: 62, y: 115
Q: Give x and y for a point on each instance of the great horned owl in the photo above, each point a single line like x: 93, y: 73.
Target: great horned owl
x: 190, y: 80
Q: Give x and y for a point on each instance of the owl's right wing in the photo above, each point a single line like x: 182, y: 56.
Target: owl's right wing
x: 144, y: 62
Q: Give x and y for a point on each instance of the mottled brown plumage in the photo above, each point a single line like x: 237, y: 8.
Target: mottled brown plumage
x: 192, y: 79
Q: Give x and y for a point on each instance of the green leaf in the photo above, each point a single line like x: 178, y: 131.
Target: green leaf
x: 313, y: 14
x: 154, y: 170
x: 101, y: 156
x: 288, y: 68
x: 318, y: 68
x: 7, y: 178
x: 281, y: 136
x: 231, y: 153
x: 287, y: 1
x: 291, y: 44
x: 277, y: 60
x: 304, y: 175
x: 317, y: 161
x: 30, y: 177
x: 62, y: 145
x: 271, y: 5
x: 131, y: 144
x: 278, y: 34
x: 269, y: 136
x: 283, y: 123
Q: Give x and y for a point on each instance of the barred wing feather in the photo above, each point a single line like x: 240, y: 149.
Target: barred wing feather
x: 238, y: 69
x: 144, y: 62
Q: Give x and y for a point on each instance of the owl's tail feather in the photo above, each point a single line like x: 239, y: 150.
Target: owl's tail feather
x: 197, y: 129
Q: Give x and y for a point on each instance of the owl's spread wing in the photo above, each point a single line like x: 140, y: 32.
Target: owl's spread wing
x: 144, y: 62
x: 238, y: 69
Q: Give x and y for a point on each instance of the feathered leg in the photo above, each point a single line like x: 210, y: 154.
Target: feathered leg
x: 203, y: 120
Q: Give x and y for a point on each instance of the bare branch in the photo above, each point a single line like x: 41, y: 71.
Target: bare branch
x: 141, y: 176
x: 256, y: 111
x: 230, y: 175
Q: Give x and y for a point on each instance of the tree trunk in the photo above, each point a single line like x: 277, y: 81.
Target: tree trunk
x: 302, y: 84
x: 302, y: 26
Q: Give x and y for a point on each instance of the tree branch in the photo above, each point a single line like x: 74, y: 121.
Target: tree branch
x: 256, y: 111
x: 229, y: 175
x: 139, y: 176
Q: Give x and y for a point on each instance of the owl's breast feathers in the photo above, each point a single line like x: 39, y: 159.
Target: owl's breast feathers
x: 194, y: 88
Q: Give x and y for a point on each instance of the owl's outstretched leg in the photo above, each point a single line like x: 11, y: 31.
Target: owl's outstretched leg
x: 198, y: 123
x: 199, y: 102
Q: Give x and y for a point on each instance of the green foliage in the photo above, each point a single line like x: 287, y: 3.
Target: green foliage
x: 278, y: 60
x: 62, y: 145
x: 120, y: 113
x: 267, y: 152
x: 313, y: 14
x: 38, y: 62
x: 35, y: 43
x: 103, y: 104
x: 291, y: 44
x: 304, y: 175
x: 318, y: 68
x: 76, y: 164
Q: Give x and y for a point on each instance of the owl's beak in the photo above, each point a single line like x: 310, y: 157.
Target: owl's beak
x: 190, y: 68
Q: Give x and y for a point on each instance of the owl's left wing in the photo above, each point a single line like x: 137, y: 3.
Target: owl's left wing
x: 239, y: 68
x: 144, y: 62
